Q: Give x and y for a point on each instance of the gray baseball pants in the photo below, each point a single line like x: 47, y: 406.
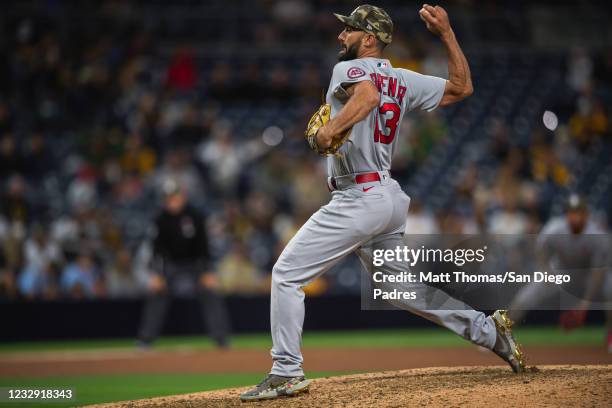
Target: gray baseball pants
x: 353, y: 221
x: 534, y: 295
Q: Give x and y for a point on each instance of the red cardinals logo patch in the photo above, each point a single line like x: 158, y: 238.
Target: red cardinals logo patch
x: 355, y: 72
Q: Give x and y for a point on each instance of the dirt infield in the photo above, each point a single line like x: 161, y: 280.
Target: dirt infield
x: 575, y: 386
x: 569, y: 376
x: 15, y: 365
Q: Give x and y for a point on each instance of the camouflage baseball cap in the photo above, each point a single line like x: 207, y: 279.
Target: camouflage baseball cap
x: 370, y: 19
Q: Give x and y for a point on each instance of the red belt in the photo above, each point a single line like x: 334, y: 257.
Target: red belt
x: 360, y: 179
x: 366, y: 178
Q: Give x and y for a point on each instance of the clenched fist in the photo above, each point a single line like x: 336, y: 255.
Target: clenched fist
x: 436, y: 19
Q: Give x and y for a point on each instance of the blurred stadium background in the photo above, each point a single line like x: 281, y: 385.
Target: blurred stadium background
x: 102, y: 101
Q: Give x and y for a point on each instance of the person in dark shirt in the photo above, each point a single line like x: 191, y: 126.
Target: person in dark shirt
x: 180, y: 249
x: 7, y: 277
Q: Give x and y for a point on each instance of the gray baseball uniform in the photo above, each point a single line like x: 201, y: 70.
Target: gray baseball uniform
x: 563, y: 252
x: 373, y: 140
x: 361, y: 217
x: 567, y: 251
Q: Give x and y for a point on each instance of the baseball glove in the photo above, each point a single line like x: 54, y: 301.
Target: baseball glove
x: 316, y: 122
x: 572, y: 319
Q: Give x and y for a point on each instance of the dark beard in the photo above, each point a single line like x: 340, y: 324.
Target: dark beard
x: 576, y: 229
x: 349, y: 54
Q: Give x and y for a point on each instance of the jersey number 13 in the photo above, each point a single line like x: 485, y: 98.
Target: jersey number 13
x: 390, y: 123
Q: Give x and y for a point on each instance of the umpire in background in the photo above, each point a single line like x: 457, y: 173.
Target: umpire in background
x: 180, y: 250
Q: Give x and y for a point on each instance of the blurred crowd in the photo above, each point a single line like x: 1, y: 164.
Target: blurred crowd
x: 92, y: 126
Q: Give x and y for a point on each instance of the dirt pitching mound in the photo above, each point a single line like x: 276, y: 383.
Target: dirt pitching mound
x: 461, y: 386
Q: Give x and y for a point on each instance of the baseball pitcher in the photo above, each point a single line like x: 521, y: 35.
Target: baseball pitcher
x: 357, y: 130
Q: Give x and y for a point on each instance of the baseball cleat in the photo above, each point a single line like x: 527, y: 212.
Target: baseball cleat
x: 274, y: 386
x: 505, y: 345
